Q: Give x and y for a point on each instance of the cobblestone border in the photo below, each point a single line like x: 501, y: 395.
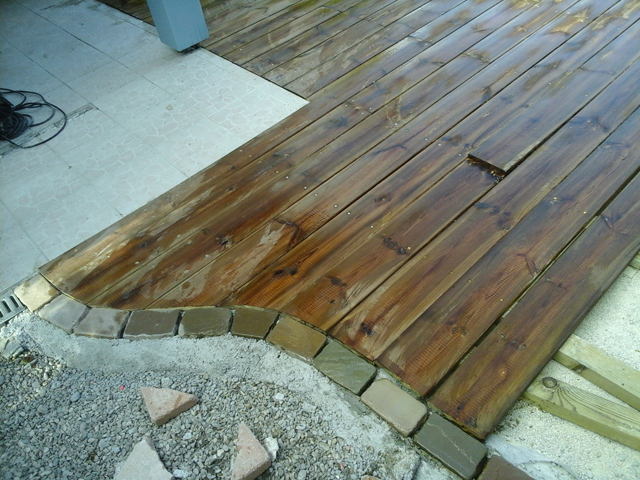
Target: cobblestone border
x: 409, y: 415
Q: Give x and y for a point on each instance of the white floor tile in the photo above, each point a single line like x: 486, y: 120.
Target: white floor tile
x: 18, y: 164
x: 141, y: 179
x: 21, y: 73
x: 190, y: 150
x: 103, y: 80
x: 19, y: 257
x: 128, y: 105
x: 32, y: 196
x: 67, y: 99
x: 81, y: 129
x: 71, y: 220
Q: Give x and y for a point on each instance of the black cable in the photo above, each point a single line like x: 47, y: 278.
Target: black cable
x: 14, y: 123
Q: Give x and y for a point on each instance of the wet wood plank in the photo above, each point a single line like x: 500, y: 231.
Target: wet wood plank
x: 296, y: 46
x: 474, y: 395
x: 318, y: 56
x: 468, y: 309
x: 440, y: 265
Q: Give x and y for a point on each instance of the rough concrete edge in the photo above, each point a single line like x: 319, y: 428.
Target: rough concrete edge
x: 381, y: 372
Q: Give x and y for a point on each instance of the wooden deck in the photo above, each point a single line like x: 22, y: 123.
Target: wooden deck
x: 462, y: 187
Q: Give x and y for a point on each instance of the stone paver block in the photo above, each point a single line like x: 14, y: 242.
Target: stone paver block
x: 252, y: 322
x: 296, y: 338
x: 456, y: 449
x: 164, y: 403
x: 64, y: 312
x: 146, y: 324
x: 205, y: 322
x: 102, y: 323
x: 345, y: 367
x: 395, y: 405
x: 143, y: 463
x: 251, y: 457
x: 36, y: 292
x: 499, y: 469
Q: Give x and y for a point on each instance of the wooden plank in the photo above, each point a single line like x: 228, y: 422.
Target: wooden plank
x: 483, y: 388
x: 363, y: 236
x: 142, y: 245
x: 241, y: 49
x: 513, y: 142
x: 243, y: 18
x: 318, y: 55
x: 603, y: 370
x: 315, y: 304
x: 536, y: 111
x: 495, y: 31
x: 398, y: 10
x: 442, y: 24
x: 440, y: 265
x: 199, y: 243
x: 587, y: 410
x: 336, y: 282
x: 334, y: 68
x: 309, y: 39
x: 444, y: 332
x: 412, y: 140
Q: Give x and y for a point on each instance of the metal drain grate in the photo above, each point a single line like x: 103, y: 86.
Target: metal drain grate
x: 10, y: 306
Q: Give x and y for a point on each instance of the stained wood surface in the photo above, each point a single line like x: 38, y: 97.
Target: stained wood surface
x: 452, y: 157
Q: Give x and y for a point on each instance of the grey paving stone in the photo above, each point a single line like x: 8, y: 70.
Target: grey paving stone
x: 296, y: 338
x: 204, y: 322
x: 252, y: 322
x: 345, y: 367
x: 146, y: 324
x: 456, y: 449
x: 399, y: 408
x: 102, y: 323
x: 64, y: 312
x: 36, y: 292
x: 498, y: 468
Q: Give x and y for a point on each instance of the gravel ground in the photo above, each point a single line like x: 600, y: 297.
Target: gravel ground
x: 71, y: 408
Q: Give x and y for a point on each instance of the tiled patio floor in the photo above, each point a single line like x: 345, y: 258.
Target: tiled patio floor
x: 138, y: 111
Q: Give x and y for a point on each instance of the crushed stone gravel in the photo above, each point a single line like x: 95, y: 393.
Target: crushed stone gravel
x: 67, y: 417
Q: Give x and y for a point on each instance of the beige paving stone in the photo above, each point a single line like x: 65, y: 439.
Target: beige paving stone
x: 64, y: 312
x: 457, y: 450
x: 147, y: 324
x: 163, y: 404
x: 204, y: 322
x: 251, y: 457
x: 36, y: 292
x: 102, y: 323
x: 344, y: 367
x: 296, y: 338
x: 143, y: 463
x: 252, y: 322
x: 394, y: 405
